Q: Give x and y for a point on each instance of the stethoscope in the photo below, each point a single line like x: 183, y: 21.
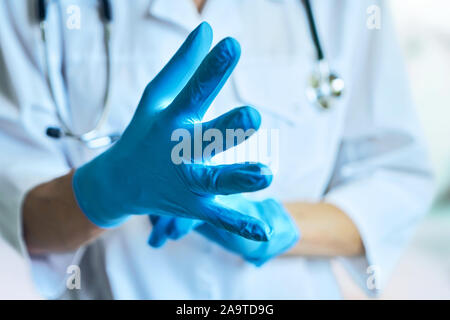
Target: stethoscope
x: 324, y: 86
x: 92, y: 138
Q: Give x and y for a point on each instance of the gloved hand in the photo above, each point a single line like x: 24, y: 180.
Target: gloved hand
x: 141, y: 173
x: 285, y: 233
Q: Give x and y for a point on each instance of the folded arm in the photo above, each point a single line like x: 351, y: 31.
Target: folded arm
x: 326, y: 230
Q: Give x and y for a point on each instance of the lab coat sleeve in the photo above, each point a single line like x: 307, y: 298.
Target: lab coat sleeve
x: 28, y: 161
x: 27, y: 157
x: 382, y: 179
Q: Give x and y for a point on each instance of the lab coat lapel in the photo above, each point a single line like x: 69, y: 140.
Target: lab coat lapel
x: 178, y: 12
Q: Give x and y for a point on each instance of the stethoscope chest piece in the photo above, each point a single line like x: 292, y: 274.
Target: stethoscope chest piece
x: 324, y: 87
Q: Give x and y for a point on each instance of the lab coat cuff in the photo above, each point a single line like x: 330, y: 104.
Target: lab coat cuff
x: 53, y: 274
x: 11, y: 228
x: 49, y: 272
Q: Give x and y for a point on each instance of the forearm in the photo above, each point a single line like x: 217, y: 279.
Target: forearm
x: 52, y: 220
x: 325, y: 231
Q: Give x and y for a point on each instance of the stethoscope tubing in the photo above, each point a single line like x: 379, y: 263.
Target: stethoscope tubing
x: 106, y: 106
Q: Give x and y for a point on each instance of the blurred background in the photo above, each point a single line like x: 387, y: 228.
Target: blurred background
x: 423, y: 29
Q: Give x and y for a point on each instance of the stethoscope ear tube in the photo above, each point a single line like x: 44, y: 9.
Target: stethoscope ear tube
x: 313, y: 30
x: 107, y: 11
x: 41, y: 10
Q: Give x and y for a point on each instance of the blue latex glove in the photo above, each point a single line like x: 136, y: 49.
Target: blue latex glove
x: 138, y: 176
x: 285, y: 233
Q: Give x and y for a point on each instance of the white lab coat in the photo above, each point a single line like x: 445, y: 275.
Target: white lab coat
x: 366, y: 155
x: 15, y: 276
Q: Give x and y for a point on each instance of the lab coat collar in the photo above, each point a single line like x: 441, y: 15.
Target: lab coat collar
x: 182, y: 13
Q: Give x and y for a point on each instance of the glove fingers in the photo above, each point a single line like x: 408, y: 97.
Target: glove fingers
x: 237, y: 222
x: 160, y: 230
x: 196, y: 97
x: 228, y: 130
x: 229, y: 179
x: 174, y: 76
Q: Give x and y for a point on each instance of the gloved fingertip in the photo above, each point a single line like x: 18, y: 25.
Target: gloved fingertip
x: 224, y: 55
x: 265, y: 171
x: 204, y: 27
x: 203, y: 30
x: 257, y: 231
x: 253, y: 117
x: 155, y: 241
x: 232, y: 46
x: 154, y: 219
x: 261, y: 169
x: 265, y: 180
x: 252, y: 177
x: 258, y: 263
